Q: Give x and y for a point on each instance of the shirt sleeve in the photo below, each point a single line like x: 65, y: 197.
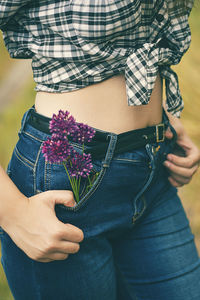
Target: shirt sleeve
x: 189, y: 7
x: 176, y: 9
x: 179, y: 38
x: 9, y: 8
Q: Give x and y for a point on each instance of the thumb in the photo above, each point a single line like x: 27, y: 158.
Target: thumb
x: 168, y: 133
x: 64, y: 197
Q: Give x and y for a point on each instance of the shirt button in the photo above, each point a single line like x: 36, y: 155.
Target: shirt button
x: 159, y: 18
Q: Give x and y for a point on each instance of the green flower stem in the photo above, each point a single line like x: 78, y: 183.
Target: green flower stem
x: 76, y: 190
x: 77, y: 186
x: 67, y: 173
x: 89, y: 180
x: 79, y: 182
x: 73, y: 184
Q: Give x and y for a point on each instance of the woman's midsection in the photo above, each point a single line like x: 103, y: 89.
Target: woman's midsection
x: 104, y: 106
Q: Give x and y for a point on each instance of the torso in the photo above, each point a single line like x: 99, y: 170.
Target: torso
x: 104, y: 106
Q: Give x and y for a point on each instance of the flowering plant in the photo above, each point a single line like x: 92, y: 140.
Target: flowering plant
x: 57, y: 149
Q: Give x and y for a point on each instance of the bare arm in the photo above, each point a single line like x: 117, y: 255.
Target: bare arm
x: 32, y: 223
x: 10, y: 196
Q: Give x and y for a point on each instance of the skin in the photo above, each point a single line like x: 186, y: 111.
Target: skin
x: 32, y: 223
x: 182, y: 168
x: 120, y: 117
x: 104, y: 105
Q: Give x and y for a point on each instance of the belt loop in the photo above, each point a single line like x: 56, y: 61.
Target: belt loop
x: 110, y: 150
x: 24, y: 119
x: 150, y: 152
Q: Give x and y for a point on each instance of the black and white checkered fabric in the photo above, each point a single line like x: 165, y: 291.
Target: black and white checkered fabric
x: 75, y: 43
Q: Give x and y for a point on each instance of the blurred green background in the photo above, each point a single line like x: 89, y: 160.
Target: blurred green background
x: 18, y: 101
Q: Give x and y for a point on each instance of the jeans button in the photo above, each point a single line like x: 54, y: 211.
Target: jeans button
x: 159, y: 18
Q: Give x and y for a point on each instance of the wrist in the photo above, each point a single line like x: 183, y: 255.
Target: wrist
x: 176, y: 123
x: 171, y: 117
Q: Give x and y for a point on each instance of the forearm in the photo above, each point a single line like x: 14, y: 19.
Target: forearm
x: 10, y: 199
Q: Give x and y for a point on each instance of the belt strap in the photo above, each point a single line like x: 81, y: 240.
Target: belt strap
x: 126, y: 141
x: 135, y: 139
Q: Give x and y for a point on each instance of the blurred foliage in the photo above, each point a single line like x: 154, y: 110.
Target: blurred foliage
x: 189, y: 76
x: 10, y: 121
x: 5, y: 61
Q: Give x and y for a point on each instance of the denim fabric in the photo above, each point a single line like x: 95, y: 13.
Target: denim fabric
x: 137, y: 240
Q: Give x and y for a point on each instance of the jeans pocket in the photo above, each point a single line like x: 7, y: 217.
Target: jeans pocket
x: 22, y: 163
x: 56, y: 178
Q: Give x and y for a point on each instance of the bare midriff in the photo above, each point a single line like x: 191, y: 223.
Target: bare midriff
x: 104, y: 106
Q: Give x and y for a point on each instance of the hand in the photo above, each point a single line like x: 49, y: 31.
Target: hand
x: 184, y: 161
x: 38, y: 232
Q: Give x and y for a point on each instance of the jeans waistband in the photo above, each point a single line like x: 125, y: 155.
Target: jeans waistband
x: 125, y: 141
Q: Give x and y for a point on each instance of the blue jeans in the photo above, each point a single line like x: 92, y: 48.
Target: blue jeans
x: 137, y: 240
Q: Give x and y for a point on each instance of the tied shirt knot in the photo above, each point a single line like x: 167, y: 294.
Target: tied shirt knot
x: 142, y: 67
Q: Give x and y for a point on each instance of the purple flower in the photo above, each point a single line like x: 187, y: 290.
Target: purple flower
x: 63, y: 124
x: 79, y: 165
x: 56, y: 149
x: 84, y: 134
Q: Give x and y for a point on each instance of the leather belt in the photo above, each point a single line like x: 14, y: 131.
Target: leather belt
x: 126, y: 141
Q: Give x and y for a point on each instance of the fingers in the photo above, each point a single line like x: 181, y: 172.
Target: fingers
x: 54, y: 256
x: 181, y: 171
x: 71, y: 233
x: 58, y: 256
x: 64, y: 197
x: 182, y: 168
x: 57, y: 250
x: 186, y: 162
x: 64, y: 248
x: 61, y: 250
x: 175, y: 183
x: 168, y: 133
x: 180, y: 181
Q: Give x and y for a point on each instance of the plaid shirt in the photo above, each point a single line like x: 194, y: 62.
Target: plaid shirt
x: 75, y: 43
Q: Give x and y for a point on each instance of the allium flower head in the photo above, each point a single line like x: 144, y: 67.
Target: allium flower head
x: 84, y: 134
x: 79, y: 165
x: 56, y: 149
x: 62, y: 123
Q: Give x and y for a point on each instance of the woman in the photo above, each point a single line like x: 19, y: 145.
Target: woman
x: 105, y: 62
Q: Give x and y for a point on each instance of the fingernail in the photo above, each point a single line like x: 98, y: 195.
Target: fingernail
x: 169, y: 133
x: 71, y: 203
x: 166, y: 163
